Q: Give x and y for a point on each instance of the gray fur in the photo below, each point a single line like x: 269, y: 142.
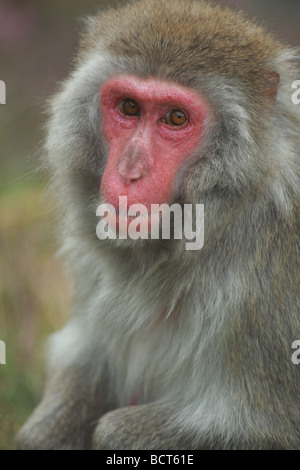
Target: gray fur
x: 201, y: 339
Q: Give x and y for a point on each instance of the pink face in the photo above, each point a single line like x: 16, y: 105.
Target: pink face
x: 152, y: 127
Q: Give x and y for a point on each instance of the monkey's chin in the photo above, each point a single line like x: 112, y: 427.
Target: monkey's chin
x: 120, y: 233
x: 135, y: 224
x: 131, y: 232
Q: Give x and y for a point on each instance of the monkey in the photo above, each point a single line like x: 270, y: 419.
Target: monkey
x: 184, y: 102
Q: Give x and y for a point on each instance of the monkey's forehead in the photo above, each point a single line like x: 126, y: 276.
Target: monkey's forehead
x: 179, y: 38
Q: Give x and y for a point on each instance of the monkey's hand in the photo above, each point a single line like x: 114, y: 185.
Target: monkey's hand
x: 65, y: 418
x: 144, y: 427
x: 53, y: 426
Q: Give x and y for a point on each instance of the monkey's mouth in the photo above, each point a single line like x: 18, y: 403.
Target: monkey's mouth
x: 130, y: 213
x: 125, y: 222
x: 129, y: 222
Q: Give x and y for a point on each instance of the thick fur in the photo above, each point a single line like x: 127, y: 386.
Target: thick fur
x: 202, y: 340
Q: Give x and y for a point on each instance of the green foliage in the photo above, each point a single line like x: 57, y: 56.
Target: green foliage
x: 34, y: 299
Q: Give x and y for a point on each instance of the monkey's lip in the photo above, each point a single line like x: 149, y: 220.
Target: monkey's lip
x: 122, y: 221
x: 128, y: 214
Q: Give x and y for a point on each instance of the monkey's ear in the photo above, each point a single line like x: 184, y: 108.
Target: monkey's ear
x: 88, y: 24
x: 88, y: 29
x: 273, y: 79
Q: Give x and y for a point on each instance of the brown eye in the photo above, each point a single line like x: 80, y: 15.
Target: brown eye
x: 175, y: 117
x: 129, y: 107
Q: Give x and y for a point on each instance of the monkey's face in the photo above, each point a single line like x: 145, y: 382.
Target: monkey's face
x: 152, y: 128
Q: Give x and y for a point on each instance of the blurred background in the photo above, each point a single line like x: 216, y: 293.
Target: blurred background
x: 37, y: 41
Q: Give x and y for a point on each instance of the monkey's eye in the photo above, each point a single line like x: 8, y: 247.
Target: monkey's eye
x: 129, y: 107
x: 175, y: 117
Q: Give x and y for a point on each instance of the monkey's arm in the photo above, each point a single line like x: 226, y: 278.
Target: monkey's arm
x: 157, y: 426
x: 144, y: 427
x: 66, y: 416
x: 75, y: 394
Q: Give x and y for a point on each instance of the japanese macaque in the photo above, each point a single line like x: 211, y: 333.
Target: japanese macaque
x: 177, y: 101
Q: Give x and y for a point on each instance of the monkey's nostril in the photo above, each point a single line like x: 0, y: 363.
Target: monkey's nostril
x: 136, y: 177
x: 127, y: 180
x: 131, y: 174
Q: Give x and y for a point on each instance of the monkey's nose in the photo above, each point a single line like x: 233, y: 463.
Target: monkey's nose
x: 130, y: 175
x: 133, y: 167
